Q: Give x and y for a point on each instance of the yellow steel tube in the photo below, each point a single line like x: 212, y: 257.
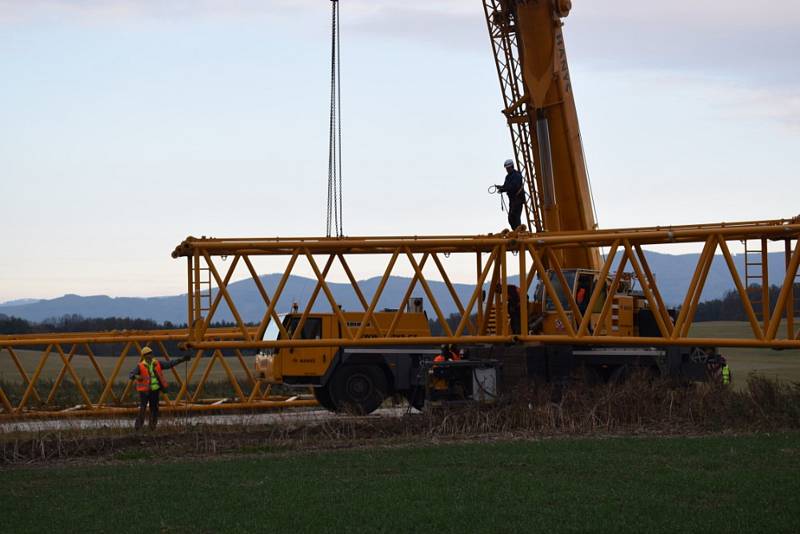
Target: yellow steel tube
x: 74, y: 376
x: 534, y: 339
x: 699, y: 289
x: 424, y: 283
x: 310, y: 305
x: 329, y: 294
x: 553, y: 294
x: 476, y: 295
x: 114, y: 373
x: 192, y: 369
x: 222, y: 287
x: 370, y: 308
x: 598, y: 290
x: 654, y: 288
x: 790, y: 300
x: 22, y: 372
x: 232, y: 378
x: 220, y: 294
x: 244, y: 365
x: 205, y: 375
x: 692, y: 290
x: 556, y: 268
x: 646, y: 289
x: 62, y: 373
x: 449, y: 285
x: 401, y: 309
x: 31, y: 385
x: 783, y: 297
x: 611, y: 292
x: 5, y: 402
x: 97, y: 368
x: 246, y: 407
x: 270, y: 313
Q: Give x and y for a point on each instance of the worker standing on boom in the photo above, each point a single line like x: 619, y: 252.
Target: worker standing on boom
x: 513, y: 187
x: 150, y: 382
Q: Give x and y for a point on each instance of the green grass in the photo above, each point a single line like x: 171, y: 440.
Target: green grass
x: 708, y: 484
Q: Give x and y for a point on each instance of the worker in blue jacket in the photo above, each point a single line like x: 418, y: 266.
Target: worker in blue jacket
x: 514, y: 188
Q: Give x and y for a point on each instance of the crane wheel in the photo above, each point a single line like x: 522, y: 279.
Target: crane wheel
x: 323, y: 396
x: 358, y: 389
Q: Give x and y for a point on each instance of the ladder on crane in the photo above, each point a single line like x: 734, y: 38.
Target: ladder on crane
x: 505, y: 45
x: 756, y: 277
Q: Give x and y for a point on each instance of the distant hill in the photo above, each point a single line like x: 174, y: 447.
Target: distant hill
x: 673, y: 273
x: 18, y: 302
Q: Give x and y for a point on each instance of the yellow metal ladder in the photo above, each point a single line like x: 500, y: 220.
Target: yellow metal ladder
x: 756, y: 276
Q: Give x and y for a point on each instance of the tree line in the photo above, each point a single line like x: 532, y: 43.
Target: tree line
x: 78, y: 323
x: 731, y: 308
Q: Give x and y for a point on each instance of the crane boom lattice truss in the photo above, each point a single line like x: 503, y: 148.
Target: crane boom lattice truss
x: 86, y: 374
x: 496, y: 258
x: 505, y: 46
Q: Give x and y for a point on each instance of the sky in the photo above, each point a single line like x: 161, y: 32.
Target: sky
x: 128, y: 125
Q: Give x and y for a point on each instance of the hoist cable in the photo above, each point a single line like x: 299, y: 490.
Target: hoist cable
x: 334, y: 224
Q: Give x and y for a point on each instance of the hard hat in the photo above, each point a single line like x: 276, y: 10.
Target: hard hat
x: 509, y: 163
x: 146, y: 351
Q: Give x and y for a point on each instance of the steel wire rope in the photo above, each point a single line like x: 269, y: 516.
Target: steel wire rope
x: 334, y: 219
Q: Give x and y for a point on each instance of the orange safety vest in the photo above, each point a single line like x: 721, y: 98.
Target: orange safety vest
x: 440, y: 358
x: 144, y: 382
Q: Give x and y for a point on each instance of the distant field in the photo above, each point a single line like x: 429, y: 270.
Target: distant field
x: 783, y: 365
x: 84, y: 368
x: 708, y: 484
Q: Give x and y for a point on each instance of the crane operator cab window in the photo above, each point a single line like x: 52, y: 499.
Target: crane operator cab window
x: 312, y: 329
x: 580, y: 283
x: 561, y: 292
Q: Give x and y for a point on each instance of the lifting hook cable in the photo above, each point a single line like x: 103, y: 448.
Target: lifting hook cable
x: 334, y: 216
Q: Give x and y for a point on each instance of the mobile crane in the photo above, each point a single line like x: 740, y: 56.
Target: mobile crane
x: 343, y: 355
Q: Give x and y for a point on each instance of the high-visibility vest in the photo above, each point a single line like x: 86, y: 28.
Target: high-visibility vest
x: 150, y: 382
x: 726, y: 375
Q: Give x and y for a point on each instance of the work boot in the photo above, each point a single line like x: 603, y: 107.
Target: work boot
x: 139, y: 421
x: 153, y: 422
x: 521, y: 228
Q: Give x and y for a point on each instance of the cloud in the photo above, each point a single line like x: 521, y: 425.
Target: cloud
x: 742, y: 40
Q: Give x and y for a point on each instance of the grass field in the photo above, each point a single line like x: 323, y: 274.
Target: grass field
x: 707, y: 484
x: 783, y: 365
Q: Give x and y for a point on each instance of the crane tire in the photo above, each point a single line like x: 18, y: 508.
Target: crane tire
x: 358, y: 389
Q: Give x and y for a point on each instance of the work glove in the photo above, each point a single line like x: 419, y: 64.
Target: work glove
x: 186, y: 357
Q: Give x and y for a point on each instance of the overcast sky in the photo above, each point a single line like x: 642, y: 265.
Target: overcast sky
x: 127, y: 125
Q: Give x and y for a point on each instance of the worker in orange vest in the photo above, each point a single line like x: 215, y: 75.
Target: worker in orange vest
x: 449, y: 353
x: 150, y: 381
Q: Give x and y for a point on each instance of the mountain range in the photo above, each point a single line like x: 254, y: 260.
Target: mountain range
x: 673, y: 273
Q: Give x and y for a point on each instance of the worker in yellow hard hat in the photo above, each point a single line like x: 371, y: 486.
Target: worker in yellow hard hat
x: 150, y: 381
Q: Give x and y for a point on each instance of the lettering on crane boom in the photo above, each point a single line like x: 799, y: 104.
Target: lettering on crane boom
x: 562, y: 56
